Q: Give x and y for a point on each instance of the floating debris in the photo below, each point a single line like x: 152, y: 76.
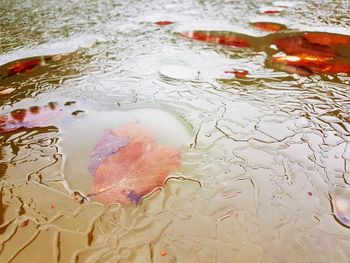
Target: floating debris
x: 69, y: 103
x: 79, y: 197
x: 78, y: 113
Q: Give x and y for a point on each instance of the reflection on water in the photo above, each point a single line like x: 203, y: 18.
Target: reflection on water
x: 255, y: 95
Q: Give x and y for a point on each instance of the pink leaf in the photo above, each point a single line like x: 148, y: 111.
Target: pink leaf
x: 135, y: 132
x: 109, y: 144
x: 136, y: 169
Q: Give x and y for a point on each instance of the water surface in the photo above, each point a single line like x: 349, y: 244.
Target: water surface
x: 266, y: 155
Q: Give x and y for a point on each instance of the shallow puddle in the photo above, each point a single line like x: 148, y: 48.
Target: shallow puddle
x: 78, y: 139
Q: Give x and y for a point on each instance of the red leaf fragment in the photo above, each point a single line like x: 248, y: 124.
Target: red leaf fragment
x: 327, y: 39
x: 316, y: 64
x: 311, y: 53
x: 238, y: 73
x: 18, y: 115
x: 135, y: 132
x: 3, y: 119
x: 108, y: 144
x: 136, y: 169
x: 23, y: 66
x: 34, y: 109
x: 294, y: 45
x: 268, y: 27
x: 214, y: 37
x: 24, y: 223
x: 271, y: 12
x: 164, y: 23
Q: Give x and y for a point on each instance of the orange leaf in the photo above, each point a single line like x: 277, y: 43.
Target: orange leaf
x: 266, y: 26
x: 322, y: 65
x: 327, y: 39
x: 217, y: 38
x: 295, y: 45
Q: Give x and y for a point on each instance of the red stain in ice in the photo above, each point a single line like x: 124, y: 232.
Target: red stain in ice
x: 164, y: 23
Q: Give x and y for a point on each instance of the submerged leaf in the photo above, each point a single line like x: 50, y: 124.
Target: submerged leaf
x: 268, y: 27
x: 23, y: 66
x: 28, y: 118
x: 109, y: 144
x: 295, y: 45
x: 311, y: 53
x: 315, y: 64
x: 217, y: 38
x: 136, y: 169
x: 327, y: 39
x: 135, y: 132
x: 29, y: 64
